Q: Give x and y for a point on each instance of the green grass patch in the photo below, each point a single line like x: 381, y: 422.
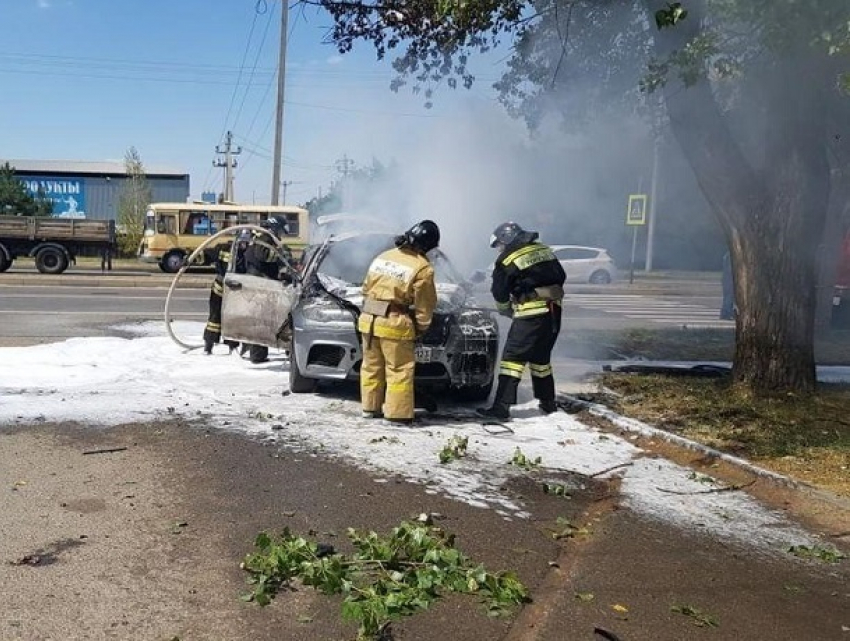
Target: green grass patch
x: 807, y: 437
x: 680, y: 345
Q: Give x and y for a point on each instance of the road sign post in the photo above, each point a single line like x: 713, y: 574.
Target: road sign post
x: 635, y: 217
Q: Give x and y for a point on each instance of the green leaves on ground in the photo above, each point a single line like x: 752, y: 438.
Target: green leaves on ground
x: 521, y: 460
x: 827, y: 555
x: 454, y: 449
x: 700, y: 619
x: 566, y: 530
x: 386, y: 578
x: 556, y: 489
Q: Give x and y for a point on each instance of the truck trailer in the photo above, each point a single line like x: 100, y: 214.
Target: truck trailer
x: 54, y: 243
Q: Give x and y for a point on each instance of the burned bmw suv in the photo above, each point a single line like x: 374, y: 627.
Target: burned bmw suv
x: 458, y: 352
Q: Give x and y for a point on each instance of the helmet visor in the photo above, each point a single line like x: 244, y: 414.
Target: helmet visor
x: 493, y: 241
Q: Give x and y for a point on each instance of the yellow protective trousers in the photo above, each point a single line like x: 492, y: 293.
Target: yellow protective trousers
x: 386, y: 377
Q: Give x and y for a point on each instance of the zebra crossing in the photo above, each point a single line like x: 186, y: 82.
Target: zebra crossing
x: 663, y: 311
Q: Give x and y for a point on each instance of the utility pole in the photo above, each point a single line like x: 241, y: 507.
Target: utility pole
x: 344, y: 165
x: 228, y: 163
x: 653, y: 192
x: 281, y: 87
x: 284, y: 184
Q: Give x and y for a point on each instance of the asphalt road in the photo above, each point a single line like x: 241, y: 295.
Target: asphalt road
x: 35, y: 307
x: 115, y: 565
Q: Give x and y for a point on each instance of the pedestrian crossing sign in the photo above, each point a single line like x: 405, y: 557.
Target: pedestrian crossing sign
x: 636, y: 213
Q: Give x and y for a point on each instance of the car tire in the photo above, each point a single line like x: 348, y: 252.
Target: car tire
x: 51, y: 260
x: 171, y: 262
x: 600, y: 277
x: 298, y: 384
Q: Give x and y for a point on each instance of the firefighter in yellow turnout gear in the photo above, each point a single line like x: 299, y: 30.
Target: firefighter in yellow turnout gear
x: 399, y: 301
x: 528, y: 286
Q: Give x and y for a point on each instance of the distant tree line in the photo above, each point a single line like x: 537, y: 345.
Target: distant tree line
x: 15, y: 199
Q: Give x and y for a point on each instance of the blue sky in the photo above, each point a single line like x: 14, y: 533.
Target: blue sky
x: 86, y: 79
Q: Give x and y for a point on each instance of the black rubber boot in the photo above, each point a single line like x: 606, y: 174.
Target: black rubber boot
x: 548, y: 407
x: 499, y: 411
x: 208, y: 345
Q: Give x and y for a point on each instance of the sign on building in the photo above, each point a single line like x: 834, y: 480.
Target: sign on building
x: 636, y: 213
x: 68, y: 194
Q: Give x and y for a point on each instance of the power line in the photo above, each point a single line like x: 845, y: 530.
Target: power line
x: 239, y: 76
x: 253, y: 69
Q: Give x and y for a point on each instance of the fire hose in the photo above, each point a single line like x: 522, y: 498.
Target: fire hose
x: 188, y: 263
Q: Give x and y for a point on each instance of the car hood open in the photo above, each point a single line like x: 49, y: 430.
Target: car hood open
x: 451, y: 298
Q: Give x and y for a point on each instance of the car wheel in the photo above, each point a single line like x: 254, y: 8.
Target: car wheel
x: 51, y: 260
x: 600, y: 277
x: 298, y: 384
x: 171, y: 262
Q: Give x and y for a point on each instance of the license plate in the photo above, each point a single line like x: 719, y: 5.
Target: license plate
x: 423, y: 354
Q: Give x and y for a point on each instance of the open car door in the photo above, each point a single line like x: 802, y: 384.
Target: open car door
x: 255, y: 309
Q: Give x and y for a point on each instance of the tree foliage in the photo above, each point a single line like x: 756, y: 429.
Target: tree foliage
x: 385, y: 579
x: 132, y: 203
x: 15, y: 200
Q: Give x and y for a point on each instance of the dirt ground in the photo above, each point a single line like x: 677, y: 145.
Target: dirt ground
x: 137, y: 532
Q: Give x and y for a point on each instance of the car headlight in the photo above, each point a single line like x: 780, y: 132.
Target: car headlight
x: 326, y: 312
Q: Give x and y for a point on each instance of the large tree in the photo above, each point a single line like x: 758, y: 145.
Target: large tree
x: 753, y: 90
x: 15, y: 200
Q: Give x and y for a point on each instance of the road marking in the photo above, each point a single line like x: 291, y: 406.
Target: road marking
x: 649, y: 308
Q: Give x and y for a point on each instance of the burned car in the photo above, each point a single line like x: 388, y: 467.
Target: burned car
x: 318, y: 317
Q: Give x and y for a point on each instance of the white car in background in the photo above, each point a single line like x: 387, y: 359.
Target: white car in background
x: 586, y: 264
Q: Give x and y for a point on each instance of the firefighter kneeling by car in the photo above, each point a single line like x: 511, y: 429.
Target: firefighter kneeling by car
x: 528, y: 286
x: 399, y: 301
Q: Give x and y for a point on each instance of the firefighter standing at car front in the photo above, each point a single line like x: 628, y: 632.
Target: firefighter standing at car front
x: 399, y: 301
x: 527, y: 286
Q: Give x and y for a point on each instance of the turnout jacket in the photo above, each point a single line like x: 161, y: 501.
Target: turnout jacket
x: 264, y: 259
x: 399, y: 295
x: 527, y: 278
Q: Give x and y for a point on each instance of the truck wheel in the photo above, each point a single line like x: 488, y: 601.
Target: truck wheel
x: 298, y: 384
x: 51, y: 260
x: 171, y: 262
x: 5, y: 263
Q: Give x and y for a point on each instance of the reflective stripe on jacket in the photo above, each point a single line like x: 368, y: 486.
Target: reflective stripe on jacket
x: 519, y: 271
x: 405, y: 279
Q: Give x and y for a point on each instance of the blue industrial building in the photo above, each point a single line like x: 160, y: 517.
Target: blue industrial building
x: 92, y: 190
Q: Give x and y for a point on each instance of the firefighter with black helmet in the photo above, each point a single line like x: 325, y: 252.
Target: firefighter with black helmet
x: 527, y: 286
x: 399, y: 301
x: 223, y: 257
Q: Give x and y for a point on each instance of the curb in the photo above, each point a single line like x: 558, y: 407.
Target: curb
x: 635, y: 426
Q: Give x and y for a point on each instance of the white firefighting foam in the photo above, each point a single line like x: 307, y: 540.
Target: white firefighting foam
x: 146, y: 377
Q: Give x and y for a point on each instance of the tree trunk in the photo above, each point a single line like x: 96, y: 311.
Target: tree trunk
x: 773, y: 217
